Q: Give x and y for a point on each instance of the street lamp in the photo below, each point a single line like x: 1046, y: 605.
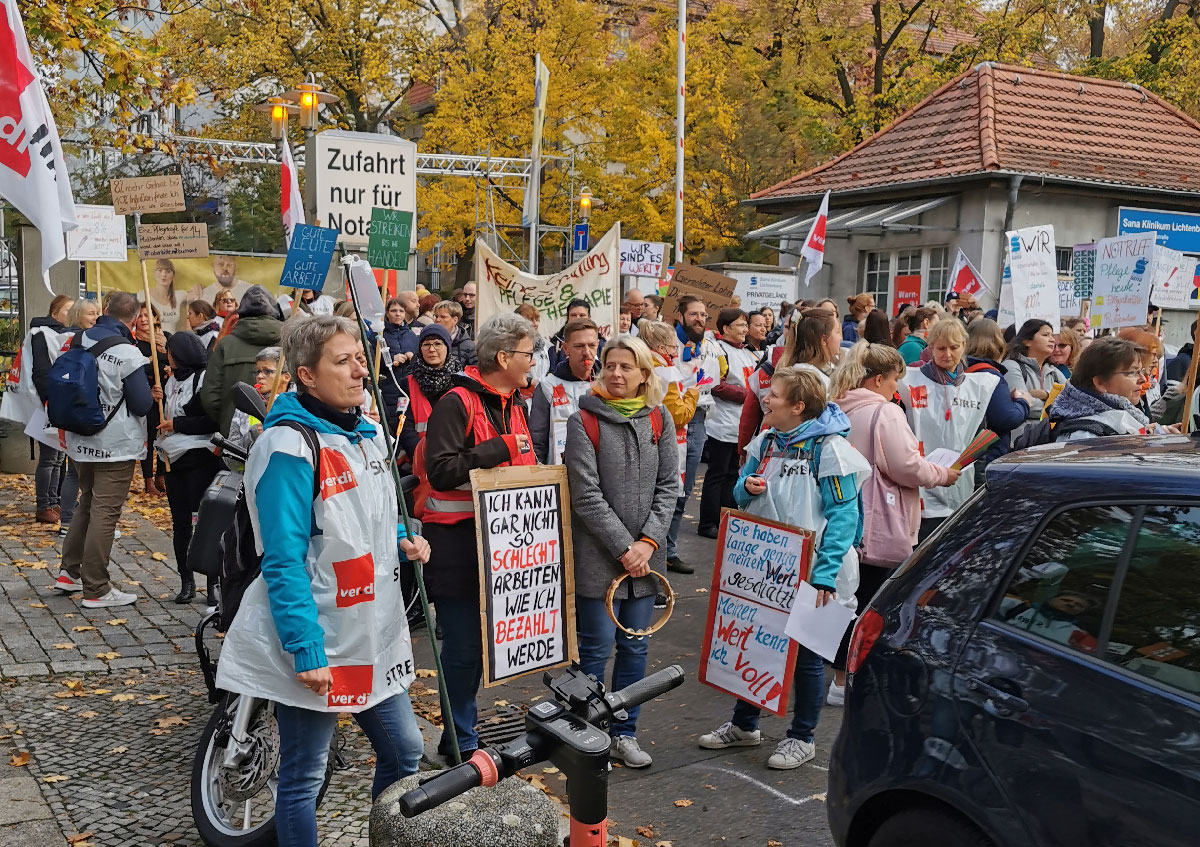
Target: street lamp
x: 585, y: 203
x: 309, y: 96
x: 278, y: 109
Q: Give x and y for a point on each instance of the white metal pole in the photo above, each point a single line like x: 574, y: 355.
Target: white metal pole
x: 680, y: 74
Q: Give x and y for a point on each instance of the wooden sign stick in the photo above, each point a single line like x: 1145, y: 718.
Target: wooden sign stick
x: 153, y: 337
x: 276, y: 383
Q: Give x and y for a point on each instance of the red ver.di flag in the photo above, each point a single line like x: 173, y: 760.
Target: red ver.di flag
x: 33, y: 175
x: 964, y: 278
x: 813, y: 250
x: 760, y: 564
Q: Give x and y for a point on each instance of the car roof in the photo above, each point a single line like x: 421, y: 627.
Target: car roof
x: 1142, y: 464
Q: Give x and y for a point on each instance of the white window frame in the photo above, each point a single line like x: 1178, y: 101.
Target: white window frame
x: 885, y: 297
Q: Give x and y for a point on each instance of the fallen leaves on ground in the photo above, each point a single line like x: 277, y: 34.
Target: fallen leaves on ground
x: 118, y: 750
x: 66, y: 646
x: 683, y: 804
x: 55, y: 777
x: 83, y: 629
x: 19, y: 760
x: 37, y: 605
x: 663, y: 844
x: 158, y: 696
x: 645, y: 831
x: 73, y: 685
x: 774, y: 844
x: 425, y: 673
x: 101, y: 691
x: 117, y: 621
x: 79, y: 836
x: 122, y: 698
x: 158, y: 557
x: 170, y: 721
x: 89, y: 714
x: 110, y: 655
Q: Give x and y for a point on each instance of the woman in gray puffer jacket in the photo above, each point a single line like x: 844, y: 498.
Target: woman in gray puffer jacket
x: 624, y: 477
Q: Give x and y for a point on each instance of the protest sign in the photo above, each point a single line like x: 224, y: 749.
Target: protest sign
x: 169, y: 241
x: 595, y: 278
x: 1172, y: 283
x: 908, y: 291
x: 1006, y: 314
x: 147, y: 194
x: 308, y: 258
x: 1033, y: 274
x: 1121, y: 295
x: 526, y: 575
x: 1068, y: 303
x: 367, y: 297
x: 716, y: 290
x: 760, y: 564
x: 100, y: 236
x: 389, y: 239
x: 1083, y: 268
x: 643, y: 258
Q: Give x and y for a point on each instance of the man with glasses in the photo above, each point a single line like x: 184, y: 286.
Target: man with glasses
x: 467, y: 301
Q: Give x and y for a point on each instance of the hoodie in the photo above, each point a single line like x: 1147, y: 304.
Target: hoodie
x: 849, y: 329
x: 838, y: 492
x: 41, y: 354
x: 232, y: 360
x: 897, y: 457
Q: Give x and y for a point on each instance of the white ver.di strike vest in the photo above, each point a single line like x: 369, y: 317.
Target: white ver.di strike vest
x: 670, y: 374
x: 792, y: 496
x: 354, y: 572
x: 176, y: 395
x: 125, y: 436
x: 723, y: 419
x: 946, y: 416
x: 21, y: 401
x: 707, y: 369
x: 564, y: 402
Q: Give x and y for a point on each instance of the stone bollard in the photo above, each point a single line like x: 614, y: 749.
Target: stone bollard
x: 512, y: 814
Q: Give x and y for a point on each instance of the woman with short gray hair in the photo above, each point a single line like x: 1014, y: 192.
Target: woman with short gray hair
x: 449, y: 314
x: 479, y: 423
x: 323, y: 629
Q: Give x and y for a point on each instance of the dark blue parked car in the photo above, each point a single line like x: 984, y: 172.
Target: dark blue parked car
x: 1030, y: 677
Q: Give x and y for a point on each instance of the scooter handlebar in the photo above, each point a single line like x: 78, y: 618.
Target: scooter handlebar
x: 645, y: 689
x: 438, y: 789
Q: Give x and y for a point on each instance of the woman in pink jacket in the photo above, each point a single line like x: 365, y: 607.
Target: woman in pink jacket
x: 864, y: 387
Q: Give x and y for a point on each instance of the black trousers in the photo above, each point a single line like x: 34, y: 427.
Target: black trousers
x: 152, y: 457
x: 870, y: 579
x: 186, y: 482
x: 719, y: 479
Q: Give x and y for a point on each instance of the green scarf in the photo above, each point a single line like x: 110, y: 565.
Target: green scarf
x: 628, y: 407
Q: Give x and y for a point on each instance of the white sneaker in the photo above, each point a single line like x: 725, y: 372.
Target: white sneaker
x: 65, y: 583
x: 836, y: 695
x: 792, y: 753
x: 112, y: 598
x: 625, y: 748
x: 728, y: 735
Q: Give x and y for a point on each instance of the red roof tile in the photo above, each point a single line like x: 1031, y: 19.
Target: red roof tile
x: 420, y: 96
x: 1019, y: 120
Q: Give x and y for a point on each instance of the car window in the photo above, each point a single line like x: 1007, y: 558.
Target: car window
x: 1060, y: 590
x: 1156, y: 629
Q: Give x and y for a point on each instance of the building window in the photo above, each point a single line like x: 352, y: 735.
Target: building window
x: 877, y: 281
x: 939, y: 274
x: 1062, y: 258
x: 882, y: 267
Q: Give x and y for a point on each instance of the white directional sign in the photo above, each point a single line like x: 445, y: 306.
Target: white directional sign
x: 357, y: 172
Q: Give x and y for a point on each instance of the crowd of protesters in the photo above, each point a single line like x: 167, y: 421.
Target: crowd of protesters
x: 821, y: 421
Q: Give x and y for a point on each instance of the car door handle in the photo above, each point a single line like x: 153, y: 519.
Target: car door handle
x: 1004, y: 703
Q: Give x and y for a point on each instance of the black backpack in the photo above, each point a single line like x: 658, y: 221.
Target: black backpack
x: 223, y: 545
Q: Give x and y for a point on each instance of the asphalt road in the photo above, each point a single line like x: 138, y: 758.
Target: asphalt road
x: 733, y: 797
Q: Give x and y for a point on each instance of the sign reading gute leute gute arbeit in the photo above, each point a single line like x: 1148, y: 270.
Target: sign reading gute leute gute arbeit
x: 760, y: 564
x: 526, y: 573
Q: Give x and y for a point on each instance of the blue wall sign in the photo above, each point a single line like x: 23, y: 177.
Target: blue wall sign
x: 1177, y: 230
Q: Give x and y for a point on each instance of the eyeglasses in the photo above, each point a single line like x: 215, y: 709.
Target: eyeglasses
x: 433, y: 342
x: 265, y: 372
x: 528, y: 353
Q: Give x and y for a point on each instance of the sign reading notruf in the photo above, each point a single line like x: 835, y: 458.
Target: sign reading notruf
x: 526, y: 572
x: 147, y: 194
x: 172, y: 241
x: 356, y: 172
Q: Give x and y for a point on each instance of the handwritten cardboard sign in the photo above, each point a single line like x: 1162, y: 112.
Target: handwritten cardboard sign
x: 1172, y: 284
x: 643, y: 258
x: 1124, y: 265
x: 172, y: 241
x: 1083, y: 269
x: 100, y: 236
x: 1068, y: 303
x: 760, y: 564
x: 526, y: 572
x: 716, y: 290
x: 389, y: 238
x: 308, y: 258
x: 147, y: 194
x: 1033, y: 272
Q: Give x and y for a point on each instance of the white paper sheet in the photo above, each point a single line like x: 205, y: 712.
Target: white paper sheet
x: 39, y: 429
x: 818, y: 629
x: 943, y: 456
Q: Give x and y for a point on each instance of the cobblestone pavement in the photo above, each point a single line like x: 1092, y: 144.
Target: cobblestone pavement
x: 109, y: 703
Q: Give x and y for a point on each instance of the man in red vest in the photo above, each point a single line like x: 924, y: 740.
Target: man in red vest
x: 480, y: 423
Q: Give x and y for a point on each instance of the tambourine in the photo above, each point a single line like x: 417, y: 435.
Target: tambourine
x: 657, y: 625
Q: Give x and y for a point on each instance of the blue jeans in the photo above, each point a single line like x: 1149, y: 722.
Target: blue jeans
x: 462, y: 665
x: 47, y: 478
x: 597, y: 634
x: 696, y: 436
x: 809, y: 681
x: 304, y: 738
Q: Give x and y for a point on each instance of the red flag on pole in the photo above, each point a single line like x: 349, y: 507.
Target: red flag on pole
x: 33, y: 173
x: 813, y: 250
x: 965, y: 279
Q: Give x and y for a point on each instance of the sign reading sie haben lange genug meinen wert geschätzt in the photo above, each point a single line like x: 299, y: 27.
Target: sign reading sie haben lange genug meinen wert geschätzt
x: 1177, y: 230
x: 357, y: 172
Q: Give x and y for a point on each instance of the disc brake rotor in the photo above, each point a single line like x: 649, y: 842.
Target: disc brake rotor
x: 246, y: 779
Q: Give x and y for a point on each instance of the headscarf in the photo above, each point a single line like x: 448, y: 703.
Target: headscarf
x: 626, y: 406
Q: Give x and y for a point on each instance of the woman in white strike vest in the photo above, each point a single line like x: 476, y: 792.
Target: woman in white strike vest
x: 723, y: 420
x: 184, y: 439
x: 946, y: 405
x: 322, y: 630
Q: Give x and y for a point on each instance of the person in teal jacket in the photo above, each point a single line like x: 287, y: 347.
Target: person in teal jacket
x: 919, y: 322
x: 802, y: 471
